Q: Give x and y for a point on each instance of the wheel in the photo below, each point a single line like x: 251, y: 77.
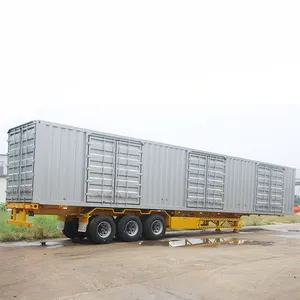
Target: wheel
x: 101, y: 230
x: 71, y: 228
x: 154, y: 227
x: 129, y: 228
x: 117, y: 220
x: 87, y: 229
x: 143, y: 218
x: 81, y: 235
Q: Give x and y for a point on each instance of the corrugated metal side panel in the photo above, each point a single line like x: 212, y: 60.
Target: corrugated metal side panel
x: 60, y: 164
x: 164, y: 177
x: 240, y: 185
x: 289, y: 191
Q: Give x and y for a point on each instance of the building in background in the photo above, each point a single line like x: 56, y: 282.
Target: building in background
x: 297, y: 187
x: 297, y: 193
x: 3, y: 176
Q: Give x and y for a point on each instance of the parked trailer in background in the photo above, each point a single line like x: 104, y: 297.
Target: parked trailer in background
x: 102, y: 185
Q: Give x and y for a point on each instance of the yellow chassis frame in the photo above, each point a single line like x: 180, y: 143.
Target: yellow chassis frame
x: 174, y: 219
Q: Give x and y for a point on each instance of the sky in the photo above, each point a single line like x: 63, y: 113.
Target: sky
x: 220, y: 76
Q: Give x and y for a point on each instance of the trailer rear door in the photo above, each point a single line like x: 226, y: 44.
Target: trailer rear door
x: 20, y: 165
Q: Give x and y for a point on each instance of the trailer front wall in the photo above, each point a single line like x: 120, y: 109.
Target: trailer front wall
x: 289, y: 191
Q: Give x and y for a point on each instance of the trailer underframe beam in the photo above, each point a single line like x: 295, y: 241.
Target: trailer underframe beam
x: 173, y: 219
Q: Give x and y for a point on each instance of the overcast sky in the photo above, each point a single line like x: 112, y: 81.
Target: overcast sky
x: 221, y: 76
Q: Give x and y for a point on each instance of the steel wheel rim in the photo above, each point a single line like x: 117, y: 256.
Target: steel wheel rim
x: 132, y: 228
x: 157, y: 227
x: 104, y: 229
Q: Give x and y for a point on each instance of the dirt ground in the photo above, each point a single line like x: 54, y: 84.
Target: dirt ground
x: 257, y: 263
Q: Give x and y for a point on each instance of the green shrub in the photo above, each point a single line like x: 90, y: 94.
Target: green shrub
x: 42, y: 227
x: 3, y: 207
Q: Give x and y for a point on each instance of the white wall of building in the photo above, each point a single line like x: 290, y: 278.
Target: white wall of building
x: 3, y: 162
x: 2, y: 189
x: 297, y: 187
x: 3, y: 172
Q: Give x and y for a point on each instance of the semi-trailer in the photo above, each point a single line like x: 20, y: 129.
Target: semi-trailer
x: 102, y: 185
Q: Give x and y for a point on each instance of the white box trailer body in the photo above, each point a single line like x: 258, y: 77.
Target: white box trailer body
x: 55, y: 164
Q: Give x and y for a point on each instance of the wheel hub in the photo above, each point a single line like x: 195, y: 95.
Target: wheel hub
x: 104, y: 229
x: 157, y: 227
x: 132, y: 228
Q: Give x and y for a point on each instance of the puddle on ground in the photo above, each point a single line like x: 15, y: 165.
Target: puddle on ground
x: 205, y: 242
x: 294, y: 230
x: 45, y: 244
x: 286, y: 236
x: 184, y: 242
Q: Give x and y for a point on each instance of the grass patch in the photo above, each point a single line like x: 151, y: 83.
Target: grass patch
x: 269, y: 220
x: 42, y: 227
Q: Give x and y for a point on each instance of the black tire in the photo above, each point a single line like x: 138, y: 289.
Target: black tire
x: 87, y: 229
x: 143, y: 218
x: 71, y: 228
x: 117, y: 220
x: 80, y: 238
x: 154, y: 227
x: 81, y: 235
x: 130, y: 228
x: 101, y: 230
